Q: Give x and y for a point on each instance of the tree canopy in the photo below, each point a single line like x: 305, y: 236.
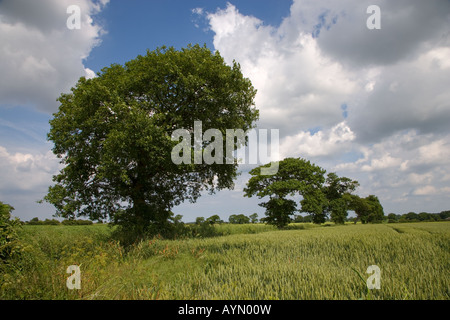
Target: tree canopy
x: 320, y: 196
x: 113, y: 135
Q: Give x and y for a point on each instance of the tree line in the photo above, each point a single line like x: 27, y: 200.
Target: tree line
x: 416, y: 217
x: 54, y: 222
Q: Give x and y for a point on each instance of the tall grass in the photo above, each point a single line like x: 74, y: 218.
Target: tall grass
x: 251, y: 262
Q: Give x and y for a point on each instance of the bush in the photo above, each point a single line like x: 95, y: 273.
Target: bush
x: 46, y: 222
x: 35, y: 222
x: 9, y: 244
x: 203, y: 229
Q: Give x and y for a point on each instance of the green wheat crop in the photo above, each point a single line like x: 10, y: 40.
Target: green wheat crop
x: 306, y: 262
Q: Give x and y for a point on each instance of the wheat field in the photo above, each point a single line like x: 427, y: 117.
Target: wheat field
x: 254, y: 262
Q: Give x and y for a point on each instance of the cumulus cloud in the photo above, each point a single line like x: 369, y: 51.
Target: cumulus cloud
x: 371, y: 104
x: 40, y: 57
x: 408, y: 27
x: 25, y: 177
x: 402, y: 167
x: 319, y: 144
x: 25, y: 172
x: 409, y: 95
x: 295, y: 81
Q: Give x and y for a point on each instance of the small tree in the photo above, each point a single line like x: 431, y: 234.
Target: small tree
x: 238, y: 219
x: 253, y: 218
x: 412, y: 216
x: 392, y: 217
x: 215, y: 219
x: 199, y: 220
x: 444, y: 214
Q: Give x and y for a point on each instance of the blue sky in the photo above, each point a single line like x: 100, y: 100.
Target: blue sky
x: 135, y: 26
x: 372, y: 105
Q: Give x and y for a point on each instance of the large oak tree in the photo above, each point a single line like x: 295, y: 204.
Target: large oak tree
x: 113, y: 135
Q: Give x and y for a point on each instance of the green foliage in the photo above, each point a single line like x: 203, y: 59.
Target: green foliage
x: 368, y: 210
x: 113, y: 134
x: 238, y: 219
x: 422, y: 216
x: 320, y: 196
x: 337, y: 191
x: 253, y: 217
x: 276, y: 209
x: 392, y: 217
x: 214, y: 219
x: 9, y: 240
x: 293, y: 176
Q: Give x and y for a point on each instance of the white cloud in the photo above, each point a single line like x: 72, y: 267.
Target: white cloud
x: 294, y: 80
x: 393, y: 133
x: 40, y: 57
x: 408, y: 27
x: 26, y: 172
x: 425, y: 191
x: 322, y: 143
x: 89, y: 73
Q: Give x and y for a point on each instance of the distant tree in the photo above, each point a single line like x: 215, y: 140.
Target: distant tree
x: 35, y: 221
x: 424, y: 216
x: 199, y: 220
x: 51, y: 222
x: 254, y: 217
x: 392, y: 217
x: 215, y: 219
x: 411, y: 216
x: 177, y: 218
x: 444, y: 214
x: 376, y: 212
x: 339, y: 210
x: 295, y: 176
x: 238, y: 219
x: 315, y: 204
x: 367, y: 209
x: 337, y: 192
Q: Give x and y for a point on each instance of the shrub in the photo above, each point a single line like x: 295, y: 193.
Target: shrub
x: 9, y: 245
